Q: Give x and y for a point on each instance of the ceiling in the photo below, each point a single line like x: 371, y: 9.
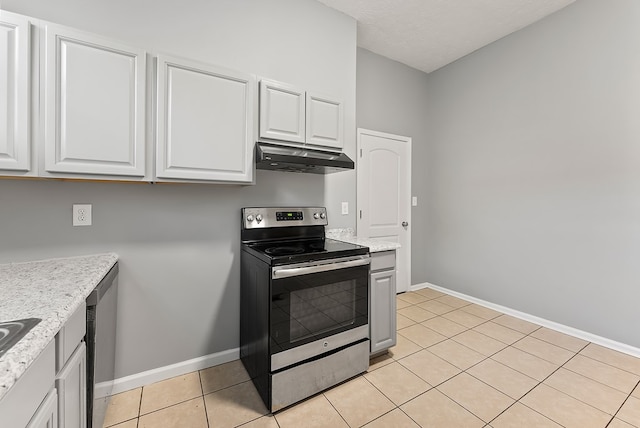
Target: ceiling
x: 429, y: 34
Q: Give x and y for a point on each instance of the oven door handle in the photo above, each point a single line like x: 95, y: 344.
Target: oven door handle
x: 287, y: 272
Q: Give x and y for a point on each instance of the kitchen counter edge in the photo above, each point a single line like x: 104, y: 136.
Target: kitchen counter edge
x: 51, y: 290
x: 348, y: 235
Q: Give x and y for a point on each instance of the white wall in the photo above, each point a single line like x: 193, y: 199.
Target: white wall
x: 533, y: 173
x: 179, y: 244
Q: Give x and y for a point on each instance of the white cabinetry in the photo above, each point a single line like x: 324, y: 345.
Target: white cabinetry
x: 288, y: 113
x: 47, y: 414
x: 324, y: 121
x: 25, y: 401
x: 94, y: 105
x: 383, y: 301
x: 52, y: 392
x: 71, y: 383
x: 282, y: 112
x: 15, y: 77
x: 71, y: 367
x: 205, y: 122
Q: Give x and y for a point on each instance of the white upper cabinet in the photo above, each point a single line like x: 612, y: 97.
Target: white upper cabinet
x: 282, y: 112
x: 324, y: 121
x: 15, y: 144
x: 205, y: 122
x: 292, y: 114
x: 94, y: 105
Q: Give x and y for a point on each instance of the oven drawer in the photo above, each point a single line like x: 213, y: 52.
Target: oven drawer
x: 300, y: 382
x: 310, y: 350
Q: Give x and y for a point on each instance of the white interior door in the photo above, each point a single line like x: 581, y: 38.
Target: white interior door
x: 384, y: 195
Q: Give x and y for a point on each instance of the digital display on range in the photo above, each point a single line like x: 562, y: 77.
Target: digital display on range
x: 288, y: 215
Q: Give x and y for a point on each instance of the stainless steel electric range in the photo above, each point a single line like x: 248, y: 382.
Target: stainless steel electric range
x: 304, y: 304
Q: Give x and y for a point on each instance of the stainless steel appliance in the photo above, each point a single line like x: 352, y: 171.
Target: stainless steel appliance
x: 278, y: 157
x: 100, y: 339
x: 304, y: 304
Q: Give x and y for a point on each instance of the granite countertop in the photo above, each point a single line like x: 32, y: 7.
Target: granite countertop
x: 51, y: 290
x: 349, y: 235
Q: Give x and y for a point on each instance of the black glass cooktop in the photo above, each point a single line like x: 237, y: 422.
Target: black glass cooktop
x: 278, y: 252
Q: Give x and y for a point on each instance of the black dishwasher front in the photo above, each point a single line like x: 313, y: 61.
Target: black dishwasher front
x: 100, y: 340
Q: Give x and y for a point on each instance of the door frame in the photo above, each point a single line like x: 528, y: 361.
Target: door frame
x: 360, y: 191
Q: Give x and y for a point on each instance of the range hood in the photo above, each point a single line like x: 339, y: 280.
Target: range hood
x: 300, y: 159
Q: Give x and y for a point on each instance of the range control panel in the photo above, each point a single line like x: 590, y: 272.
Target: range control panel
x: 289, y: 215
x: 283, y: 217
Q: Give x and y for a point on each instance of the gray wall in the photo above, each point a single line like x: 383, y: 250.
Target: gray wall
x: 178, y: 243
x: 533, y: 173
x: 392, y: 98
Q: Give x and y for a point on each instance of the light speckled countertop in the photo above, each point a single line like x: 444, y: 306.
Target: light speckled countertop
x: 348, y: 235
x: 51, y: 290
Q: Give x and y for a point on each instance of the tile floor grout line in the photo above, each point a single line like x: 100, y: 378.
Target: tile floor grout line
x: 389, y: 398
x: 170, y: 405
x: 610, y: 365
x: 491, y: 386
x: 378, y: 417
x: 334, y: 407
x: 204, y: 403
x: 583, y: 402
x: 140, y: 405
x: 461, y: 371
x: 452, y: 337
x: 541, y: 382
x: 409, y: 416
x: 559, y: 346
x: 460, y: 404
x: 436, y: 356
x: 623, y: 403
x: 596, y: 380
x: 532, y: 409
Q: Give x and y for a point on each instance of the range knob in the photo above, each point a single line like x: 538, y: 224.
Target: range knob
x: 250, y: 218
x: 323, y: 215
x: 259, y: 218
x: 316, y: 215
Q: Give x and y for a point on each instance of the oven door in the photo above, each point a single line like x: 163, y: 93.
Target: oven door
x: 317, y: 307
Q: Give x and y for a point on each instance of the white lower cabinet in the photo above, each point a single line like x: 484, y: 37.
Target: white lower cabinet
x: 383, y: 301
x: 47, y: 414
x: 71, y: 383
x: 71, y: 371
x: 24, y: 402
x: 205, y: 122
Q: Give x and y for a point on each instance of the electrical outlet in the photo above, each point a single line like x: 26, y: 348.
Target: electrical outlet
x: 82, y: 214
x: 345, y: 208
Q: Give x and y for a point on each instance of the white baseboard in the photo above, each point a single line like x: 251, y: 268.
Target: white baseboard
x: 598, y: 340
x: 162, y: 373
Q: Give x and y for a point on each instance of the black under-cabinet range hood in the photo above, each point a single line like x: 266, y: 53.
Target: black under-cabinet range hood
x: 300, y: 159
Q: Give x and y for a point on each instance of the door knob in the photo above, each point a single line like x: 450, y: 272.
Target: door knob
x: 405, y: 224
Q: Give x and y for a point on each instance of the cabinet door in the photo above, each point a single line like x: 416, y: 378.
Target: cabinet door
x: 383, y: 310
x: 94, y: 105
x: 205, y: 122
x: 47, y: 414
x: 71, y: 384
x: 14, y: 92
x: 282, y: 112
x: 325, y: 121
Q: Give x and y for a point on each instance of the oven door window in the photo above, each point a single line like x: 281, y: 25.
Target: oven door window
x: 309, y: 307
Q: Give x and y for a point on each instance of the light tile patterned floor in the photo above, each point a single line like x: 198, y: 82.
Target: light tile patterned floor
x: 456, y: 364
